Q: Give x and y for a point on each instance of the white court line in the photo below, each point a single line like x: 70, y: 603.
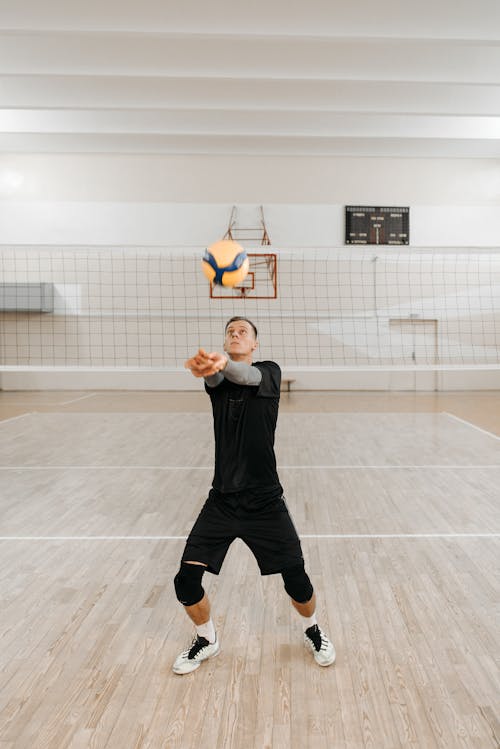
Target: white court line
x: 81, y: 398
x: 401, y: 535
x: 318, y: 536
x: 93, y: 538
x: 390, y: 466
x: 13, y: 418
x: 470, y: 424
x: 108, y: 468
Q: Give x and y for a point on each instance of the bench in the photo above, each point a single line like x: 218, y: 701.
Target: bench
x: 286, y: 383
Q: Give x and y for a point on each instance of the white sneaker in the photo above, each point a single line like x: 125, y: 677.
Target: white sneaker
x: 191, y: 659
x: 320, y: 646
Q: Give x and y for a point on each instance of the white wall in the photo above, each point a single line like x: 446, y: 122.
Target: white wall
x: 186, y: 200
x: 249, y: 179
x: 195, y: 224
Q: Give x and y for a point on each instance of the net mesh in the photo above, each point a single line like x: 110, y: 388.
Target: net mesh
x: 151, y: 309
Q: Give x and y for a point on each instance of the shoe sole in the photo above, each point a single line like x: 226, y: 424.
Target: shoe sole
x: 330, y: 663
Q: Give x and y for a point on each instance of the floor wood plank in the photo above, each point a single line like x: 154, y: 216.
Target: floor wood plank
x: 90, y: 627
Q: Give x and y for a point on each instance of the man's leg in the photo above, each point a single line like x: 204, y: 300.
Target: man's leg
x: 306, y: 609
x: 301, y: 592
x: 199, y: 613
x: 197, y: 606
x: 273, y: 539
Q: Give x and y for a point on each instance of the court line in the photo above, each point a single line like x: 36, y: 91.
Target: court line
x: 13, y: 418
x: 317, y: 536
x: 470, y: 424
x: 401, y: 535
x: 332, y: 466
x: 81, y: 398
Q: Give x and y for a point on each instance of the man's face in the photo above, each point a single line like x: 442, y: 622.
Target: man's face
x: 239, y: 339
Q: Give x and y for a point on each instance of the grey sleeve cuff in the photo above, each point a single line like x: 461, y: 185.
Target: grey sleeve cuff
x: 242, y: 373
x: 214, y: 379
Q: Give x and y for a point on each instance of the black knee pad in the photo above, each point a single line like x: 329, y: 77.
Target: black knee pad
x: 187, y: 582
x: 297, y: 583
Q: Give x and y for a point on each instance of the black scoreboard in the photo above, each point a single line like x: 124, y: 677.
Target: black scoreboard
x: 372, y: 225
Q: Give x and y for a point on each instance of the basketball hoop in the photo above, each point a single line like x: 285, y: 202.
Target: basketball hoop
x: 261, y: 281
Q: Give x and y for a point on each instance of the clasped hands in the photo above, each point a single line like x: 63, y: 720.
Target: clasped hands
x: 204, y: 365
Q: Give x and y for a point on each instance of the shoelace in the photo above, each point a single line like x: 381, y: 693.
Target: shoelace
x: 316, y: 636
x: 198, y: 644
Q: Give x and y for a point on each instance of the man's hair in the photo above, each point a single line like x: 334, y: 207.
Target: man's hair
x: 245, y: 319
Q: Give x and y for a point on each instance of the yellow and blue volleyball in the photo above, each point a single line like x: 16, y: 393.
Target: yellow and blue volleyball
x: 225, y: 263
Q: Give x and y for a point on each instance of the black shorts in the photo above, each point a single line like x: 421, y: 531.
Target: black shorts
x: 266, y: 528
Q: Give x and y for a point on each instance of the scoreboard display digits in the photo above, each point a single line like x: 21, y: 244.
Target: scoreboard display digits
x: 372, y: 225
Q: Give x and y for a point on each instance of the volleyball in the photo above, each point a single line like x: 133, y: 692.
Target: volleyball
x: 225, y: 263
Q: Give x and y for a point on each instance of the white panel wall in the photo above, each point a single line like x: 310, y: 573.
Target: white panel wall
x: 249, y: 179
x: 186, y: 200
x: 193, y: 225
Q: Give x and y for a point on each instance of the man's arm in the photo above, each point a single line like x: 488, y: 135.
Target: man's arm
x: 241, y: 373
x: 205, y: 365
x: 214, y: 380
x: 214, y: 367
x: 238, y: 372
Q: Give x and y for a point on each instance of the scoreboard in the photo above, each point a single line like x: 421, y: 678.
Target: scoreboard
x: 372, y: 225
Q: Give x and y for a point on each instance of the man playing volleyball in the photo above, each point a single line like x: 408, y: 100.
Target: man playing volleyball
x: 246, y: 500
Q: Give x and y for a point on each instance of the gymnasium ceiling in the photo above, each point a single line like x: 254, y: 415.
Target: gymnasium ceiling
x: 323, y: 77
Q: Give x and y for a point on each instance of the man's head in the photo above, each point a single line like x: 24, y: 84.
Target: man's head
x: 240, y: 339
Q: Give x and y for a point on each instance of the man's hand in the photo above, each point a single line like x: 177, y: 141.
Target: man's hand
x: 204, y: 365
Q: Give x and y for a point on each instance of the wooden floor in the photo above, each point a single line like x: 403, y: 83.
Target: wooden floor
x: 397, y: 500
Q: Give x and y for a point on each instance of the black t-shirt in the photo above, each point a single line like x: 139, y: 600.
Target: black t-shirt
x: 245, y: 419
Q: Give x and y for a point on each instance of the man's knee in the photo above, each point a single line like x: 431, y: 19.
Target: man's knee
x: 297, y: 583
x: 187, y: 582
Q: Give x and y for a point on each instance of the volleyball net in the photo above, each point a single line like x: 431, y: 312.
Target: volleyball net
x: 316, y: 309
